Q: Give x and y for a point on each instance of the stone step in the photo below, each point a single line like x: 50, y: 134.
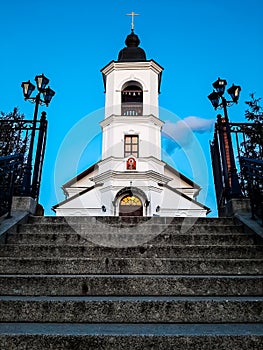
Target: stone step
x: 27, y: 250
x: 165, y: 285
x: 68, y: 336
x: 110, y: 239
x: 148, y: 230
x: 132, y: 220
x: 131, y: 309
x: 37, y: 265
x: 131, y: 283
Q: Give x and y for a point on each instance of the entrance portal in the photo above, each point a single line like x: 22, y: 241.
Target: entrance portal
x: 130, y: 206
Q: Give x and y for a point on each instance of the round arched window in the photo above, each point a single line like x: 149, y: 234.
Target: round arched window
x: 131, y: 200
x: 130, y: 206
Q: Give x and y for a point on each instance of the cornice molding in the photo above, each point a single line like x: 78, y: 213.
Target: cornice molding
x: 148, y: 175
x: 116, y: 66
x: 113, y: 118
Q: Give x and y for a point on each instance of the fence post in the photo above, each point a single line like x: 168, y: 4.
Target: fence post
x: 223, y: 153
x: 217, y: 172
x: 39, y: 156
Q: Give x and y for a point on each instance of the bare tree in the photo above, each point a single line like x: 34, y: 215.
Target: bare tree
x: 13, y: 139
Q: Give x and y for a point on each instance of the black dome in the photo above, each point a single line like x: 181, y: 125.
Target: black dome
x: 132, y: 53
x: 132, y: 40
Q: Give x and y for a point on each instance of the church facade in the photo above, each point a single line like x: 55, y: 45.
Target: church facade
x: 131, y: 179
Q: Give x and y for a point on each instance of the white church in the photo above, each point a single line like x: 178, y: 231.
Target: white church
x: 131, y: 179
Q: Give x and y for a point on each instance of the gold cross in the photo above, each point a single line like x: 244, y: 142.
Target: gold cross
x: 132, y: 15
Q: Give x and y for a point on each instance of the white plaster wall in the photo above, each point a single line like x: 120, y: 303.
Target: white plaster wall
x: 119, y: 73
x: 177, y: 182
x: 180, y: 184
x: 115, y: 129
x: 172, y: 201
x: 115, y: 82
x: 89, y: 203
x: 142, y: 164
x: 81, y: 184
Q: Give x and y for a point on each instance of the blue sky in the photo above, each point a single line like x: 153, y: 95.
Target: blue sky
x: 70, y: 41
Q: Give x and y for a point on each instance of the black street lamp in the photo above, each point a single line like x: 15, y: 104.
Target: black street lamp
x: 44, y: 96
x: 219, y: 101
x: 218, y: 93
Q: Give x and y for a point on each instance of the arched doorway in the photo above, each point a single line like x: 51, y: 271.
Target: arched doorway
x: 130, y: 205
x: 131, y: 201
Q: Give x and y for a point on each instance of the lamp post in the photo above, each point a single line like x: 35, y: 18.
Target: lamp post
x: 44, y: 96
x: 219, y: 101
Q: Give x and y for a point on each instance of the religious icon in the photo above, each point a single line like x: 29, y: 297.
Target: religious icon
x: 131, y: 164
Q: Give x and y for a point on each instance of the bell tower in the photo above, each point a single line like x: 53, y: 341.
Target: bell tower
x: 132, y: 86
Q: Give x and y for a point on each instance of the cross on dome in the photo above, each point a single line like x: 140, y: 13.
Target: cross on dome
x: 132, y: 14
x: 132, y: 53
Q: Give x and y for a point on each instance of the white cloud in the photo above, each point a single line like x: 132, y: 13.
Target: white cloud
x: 200, y: 125
x: 182, y: 132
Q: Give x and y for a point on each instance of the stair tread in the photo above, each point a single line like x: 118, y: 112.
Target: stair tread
x: 145, y: 246
x: 87, y: 259
x: 153, y: 235
x: 133, y: 276
x: 126, y: 329
x: 139, y: 298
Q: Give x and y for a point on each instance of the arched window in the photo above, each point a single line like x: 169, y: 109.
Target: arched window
x: 132, y: 100
x: 130, y: 205
x: 131, y: 200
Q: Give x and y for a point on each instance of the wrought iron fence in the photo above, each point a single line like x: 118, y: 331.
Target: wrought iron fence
x: 253, y: 184
x: 10, y: 170
x: 245, y: 141
x: 15, y: 138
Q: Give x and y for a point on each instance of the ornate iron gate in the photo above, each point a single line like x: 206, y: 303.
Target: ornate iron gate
x: 246, y: 163
x: 15, y: 139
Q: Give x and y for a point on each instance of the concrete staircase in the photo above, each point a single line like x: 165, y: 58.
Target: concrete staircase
x: 131, y: 283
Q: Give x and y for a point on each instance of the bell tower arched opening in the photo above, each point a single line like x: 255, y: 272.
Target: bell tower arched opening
x: 132, y: 99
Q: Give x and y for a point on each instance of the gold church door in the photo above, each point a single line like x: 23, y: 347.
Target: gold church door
x: 130, y: 206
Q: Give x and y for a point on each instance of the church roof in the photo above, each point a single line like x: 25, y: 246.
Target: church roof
x: 183, y: 177
x: 73, y: 197
x: 208, y: 210
x: 132, y: 52
x: 79, y: 176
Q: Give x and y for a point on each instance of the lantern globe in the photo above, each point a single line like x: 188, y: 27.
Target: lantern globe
x: 48, y: 94
x: 214, y: 99
x: 41, y: 81
x: 28, y: 88
x: 219, y: 86
x: 234, y: 92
